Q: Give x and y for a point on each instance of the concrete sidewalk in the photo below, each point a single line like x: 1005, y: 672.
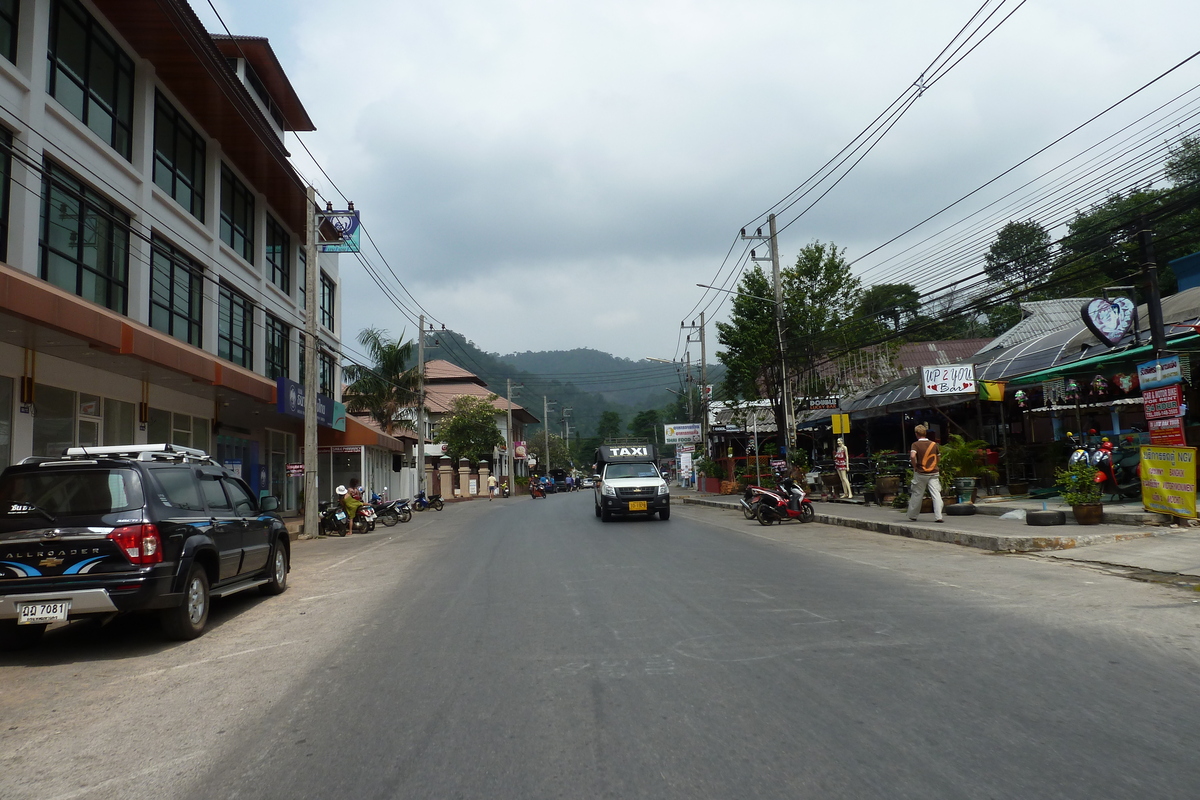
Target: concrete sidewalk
x: 1129, y: 537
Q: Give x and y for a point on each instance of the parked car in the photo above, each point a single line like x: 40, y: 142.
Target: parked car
x: 587, y: 483
x: 109, y: 530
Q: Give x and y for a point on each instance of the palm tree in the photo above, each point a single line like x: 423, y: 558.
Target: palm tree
x: 388, y: 385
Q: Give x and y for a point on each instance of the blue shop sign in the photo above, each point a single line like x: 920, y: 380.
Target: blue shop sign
x: 1160, y: 372
x: 290, y: 401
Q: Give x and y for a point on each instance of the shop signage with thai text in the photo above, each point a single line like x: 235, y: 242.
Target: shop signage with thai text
x: 685, y: 448
x: 1160, y: 372
x: 948, y: 380
x: 1163, y: 402
x: 295, y: 470
x: 681, y: 433
x: 1167, y: 432
x: 289, y: 400
x: 1169, y: 480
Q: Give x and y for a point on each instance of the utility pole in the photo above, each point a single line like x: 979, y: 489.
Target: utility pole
x: 703, y: 381
x: 566, y: 415
x: 1158, y: 336
x: 546, y: 428
x: 785, y: 391
x: 512, y: 448
x: 421, y: 405
x: 310, y: 366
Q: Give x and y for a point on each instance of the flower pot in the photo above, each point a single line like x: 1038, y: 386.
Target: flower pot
x: 965, y: 489
x: 926, y: 505
x: 1018, y: 487
x: 1088, y: 513
x: 886, y: 487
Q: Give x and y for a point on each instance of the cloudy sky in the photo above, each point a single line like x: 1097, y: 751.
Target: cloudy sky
x: 550, y: 175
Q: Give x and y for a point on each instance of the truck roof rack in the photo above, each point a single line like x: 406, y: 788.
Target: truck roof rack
x: 141, y: 452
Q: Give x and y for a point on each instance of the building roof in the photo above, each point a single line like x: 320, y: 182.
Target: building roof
x: 439, y: 397
x: 1040, y: 317
x: 440, y: 371
x: 257, y: 50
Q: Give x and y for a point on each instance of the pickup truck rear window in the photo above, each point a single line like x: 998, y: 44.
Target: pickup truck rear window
x: 71, y: 492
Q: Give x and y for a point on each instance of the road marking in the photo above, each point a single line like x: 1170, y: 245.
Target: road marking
x: 353, y: 556
x: 221, y: 657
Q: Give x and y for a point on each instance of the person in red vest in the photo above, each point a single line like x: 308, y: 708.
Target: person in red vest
x: 925, y: 457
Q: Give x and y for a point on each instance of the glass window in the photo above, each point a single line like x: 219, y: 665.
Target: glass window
x: 326, y: 375
x: 158, y: 428
x: 8, y: 29
x: 243, y: 503
x: 327, y: 299
x: 237, y: 215
x: 261, y: 90
x: 75, y: 491
x: 84, y: 241
x: 278, y: 334
x: 214, y: 495
x: 179, y: 486
x: 118, y: 422
x: 53, y: 420
x: 176, y: 293
x: 179, y: 157
x: 302, y: 277
x: 200, y: 438
x: 181, y: 434
x: 90, y: 75
x: 279, y: 255
x: 235, y: 328
x: 6, y: 140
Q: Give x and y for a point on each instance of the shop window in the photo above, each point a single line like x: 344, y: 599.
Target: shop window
x: 281, y: 449
x: 237, y: 215
x: 201, y: 440
x: 8, y: 29
x: 235, y: 328
x: 279, y: 256
x: 90, y: 420
x: 90, y: 75
x: 118, y: 422
x: 84, y: 241
x: 174, y: 428
x: 176, y: 293
x: 53, y: 421
x: 179, y: 157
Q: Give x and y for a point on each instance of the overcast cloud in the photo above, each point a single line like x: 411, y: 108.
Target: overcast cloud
x: 550, y: 175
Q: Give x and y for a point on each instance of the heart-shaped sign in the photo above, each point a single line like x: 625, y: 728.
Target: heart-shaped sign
x: 1109, y: 320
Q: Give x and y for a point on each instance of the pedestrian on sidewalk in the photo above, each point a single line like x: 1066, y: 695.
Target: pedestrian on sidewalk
x: 491, y: 487
x: 925, y: 457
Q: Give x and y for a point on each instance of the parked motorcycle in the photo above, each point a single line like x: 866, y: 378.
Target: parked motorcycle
x: 788, y: 502
x: 364, y: 520
x: 421, y: 502
x: 389, y: 512
x: 333, y: 521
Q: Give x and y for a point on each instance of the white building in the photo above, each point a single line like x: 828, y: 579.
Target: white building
x: 152, y: 270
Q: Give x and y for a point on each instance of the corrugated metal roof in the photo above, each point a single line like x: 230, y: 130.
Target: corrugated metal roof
x: 1042, y: 316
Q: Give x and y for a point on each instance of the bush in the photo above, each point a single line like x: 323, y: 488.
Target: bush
x: 1077, y: 484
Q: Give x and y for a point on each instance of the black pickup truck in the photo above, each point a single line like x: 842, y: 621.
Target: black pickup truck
x: 107, y: 530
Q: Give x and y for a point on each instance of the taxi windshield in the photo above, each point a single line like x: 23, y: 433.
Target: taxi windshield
x: 643, y: 470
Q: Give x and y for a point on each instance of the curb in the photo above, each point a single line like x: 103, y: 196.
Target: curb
x: 998, y: 543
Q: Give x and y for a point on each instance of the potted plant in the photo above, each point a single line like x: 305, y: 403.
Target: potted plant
x: 888, y: 472
x: 1079, y: 489
x: 713, y: 474
x: 962, y: 463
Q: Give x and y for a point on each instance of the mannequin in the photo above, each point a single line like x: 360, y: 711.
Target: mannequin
x: 841, y: 462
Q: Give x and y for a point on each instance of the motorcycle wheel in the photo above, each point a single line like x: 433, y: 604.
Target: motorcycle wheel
x: 764, y: 515
x: 437, y: 504
x: 807, y: 514
x: 389, y: 519
x: 405, y: 514
x: 418, y: 507
x: 750, y: 511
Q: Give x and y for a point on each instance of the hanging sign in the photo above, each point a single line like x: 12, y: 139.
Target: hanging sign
x: 948, y: 380
x: 1167, y: 432
x: 289, y: 397
x: 295, y: 470
x: 340, y: 231
x: 1160, y: 372
x: 1109, y: 320
x: 1169, y: 480
x: 682, y: 433
x: 1163, y: 402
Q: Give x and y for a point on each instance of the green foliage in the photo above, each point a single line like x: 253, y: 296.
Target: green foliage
x: 960, y: 458
x: 610, y: 426
x: 1077, y: 484
x: 1020, y: 255
x: 647, y: 425
x: 891, y: 305
x: 710, y: 468
x: 389, y: 385
x: 559, y: 456
x: 469, y: 428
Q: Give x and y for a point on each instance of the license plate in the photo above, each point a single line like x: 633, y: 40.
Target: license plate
x: 637, y: 505
x: 340, y: 514
x: 42, y: 611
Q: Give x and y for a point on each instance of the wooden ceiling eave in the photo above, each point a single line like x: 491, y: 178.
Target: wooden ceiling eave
x: 168, y: 34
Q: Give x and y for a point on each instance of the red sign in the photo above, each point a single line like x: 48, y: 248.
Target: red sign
x: 1163, y: 402
x: 295, y: 470
x: 1167, y: 432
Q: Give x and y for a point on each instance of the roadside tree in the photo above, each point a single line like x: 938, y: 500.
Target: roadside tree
x: 469, y: 429
x: 387, y: 388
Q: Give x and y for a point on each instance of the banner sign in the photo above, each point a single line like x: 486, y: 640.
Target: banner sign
x: 295, y: 470
x: 686, y: 448
x: 1163, y: 402
x: 346, y: 228
x: 519, y: 451
x: 1109, y: 320
x: 948, y: 380
x: 1162, y: 372
x: 1169, y: 480
x: 1167, y: 432
x: 824, y: 403
x: 289, y: 399
x: 684, y: 433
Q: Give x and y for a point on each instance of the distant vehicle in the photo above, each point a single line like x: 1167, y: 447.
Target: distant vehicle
x: 588, y: 483
x: 559, y: 476
x: 630, y: 482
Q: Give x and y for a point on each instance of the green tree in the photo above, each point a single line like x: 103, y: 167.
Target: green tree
x: 610, y: 426
x: 388, y: 387
x: 820, y: 295
x: 1020, y: 255
x: 893, y: 304
x: 469, y: 428
x: 559, y: 456
x: 646, y: 425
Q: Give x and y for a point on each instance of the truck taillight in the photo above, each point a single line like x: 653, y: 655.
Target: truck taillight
x: 141, y: 544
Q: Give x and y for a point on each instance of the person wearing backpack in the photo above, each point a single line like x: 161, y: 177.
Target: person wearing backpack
x: 924, y: 456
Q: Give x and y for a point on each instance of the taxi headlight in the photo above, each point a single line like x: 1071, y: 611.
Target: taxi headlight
x: 608, y: 491
x: 664, y: 489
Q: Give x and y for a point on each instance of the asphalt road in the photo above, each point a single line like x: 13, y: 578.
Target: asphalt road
x: 524, y: 649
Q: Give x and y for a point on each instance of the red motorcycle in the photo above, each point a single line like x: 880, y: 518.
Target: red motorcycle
x: 789, y: 501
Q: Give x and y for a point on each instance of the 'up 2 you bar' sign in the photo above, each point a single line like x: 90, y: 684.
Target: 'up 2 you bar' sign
x: 948, y: 379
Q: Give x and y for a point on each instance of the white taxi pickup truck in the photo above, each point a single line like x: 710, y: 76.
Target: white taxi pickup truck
x: 630, y: 482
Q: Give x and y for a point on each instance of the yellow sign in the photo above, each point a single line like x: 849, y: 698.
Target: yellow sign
x: 841, y: 423
x: 1169, y: 480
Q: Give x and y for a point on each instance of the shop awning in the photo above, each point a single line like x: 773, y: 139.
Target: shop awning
x: 1131, y: 355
